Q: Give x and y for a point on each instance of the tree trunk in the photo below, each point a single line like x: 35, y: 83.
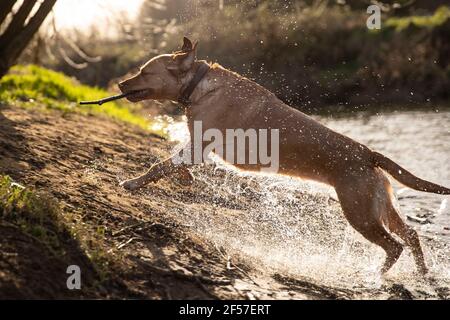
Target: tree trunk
x: 5, y: 8
x: 17, y: 36
x: 17, y: 22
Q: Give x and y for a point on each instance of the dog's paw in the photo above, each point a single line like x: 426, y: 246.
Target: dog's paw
x: 130, y: 185
x: 184, y: 177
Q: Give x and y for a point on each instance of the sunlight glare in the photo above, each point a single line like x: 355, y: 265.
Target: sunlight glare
x: 82, y: 14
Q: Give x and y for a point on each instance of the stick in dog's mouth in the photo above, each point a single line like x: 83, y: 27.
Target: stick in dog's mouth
x: 112, y: 98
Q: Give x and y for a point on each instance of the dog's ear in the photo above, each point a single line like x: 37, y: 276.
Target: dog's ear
x: 182, y: 62
x: 187, y: 45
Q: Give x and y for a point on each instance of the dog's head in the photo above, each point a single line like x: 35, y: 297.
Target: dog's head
x: 161, y: 77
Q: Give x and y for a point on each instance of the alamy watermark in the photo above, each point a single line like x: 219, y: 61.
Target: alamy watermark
x: 374, y: 20
x: 74, y: 280
x: 260, y: 147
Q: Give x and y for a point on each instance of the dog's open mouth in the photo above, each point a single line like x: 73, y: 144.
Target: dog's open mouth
x: 138, y: 95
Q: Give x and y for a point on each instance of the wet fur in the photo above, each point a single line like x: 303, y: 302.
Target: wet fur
x: 226, y: 100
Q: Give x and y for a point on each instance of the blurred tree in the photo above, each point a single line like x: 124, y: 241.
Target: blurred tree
x: 157, y: 18
x: 20, y: 29
x: 5, y: 9
x: 397, y: 7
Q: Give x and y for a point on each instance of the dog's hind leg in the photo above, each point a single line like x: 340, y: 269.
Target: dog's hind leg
x: 396, y: 225
x: 363, y: 204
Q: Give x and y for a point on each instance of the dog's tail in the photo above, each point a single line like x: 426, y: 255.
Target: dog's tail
x: 406, y: 177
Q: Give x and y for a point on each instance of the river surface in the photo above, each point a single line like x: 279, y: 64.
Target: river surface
x: 418, y: 141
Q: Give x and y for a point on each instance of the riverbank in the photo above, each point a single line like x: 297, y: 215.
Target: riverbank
x: 148, y: 244
x: 229, y: 235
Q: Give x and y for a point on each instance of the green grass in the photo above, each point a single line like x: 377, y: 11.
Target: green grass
x: 35, y: 214
x: 440, y: 16
x: 41, y: 217
x: 33, y: 86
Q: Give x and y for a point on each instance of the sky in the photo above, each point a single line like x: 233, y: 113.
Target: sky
x: 82, y: 14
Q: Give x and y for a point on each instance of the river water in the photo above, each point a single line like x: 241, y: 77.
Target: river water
x: 281, y: 224
x: 420, y: 142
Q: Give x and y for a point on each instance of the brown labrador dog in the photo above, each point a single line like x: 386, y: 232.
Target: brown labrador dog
x: 222, y: 99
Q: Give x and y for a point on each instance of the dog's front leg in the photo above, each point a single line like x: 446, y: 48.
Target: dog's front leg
x: 168, y: 167
x: 159, y: 171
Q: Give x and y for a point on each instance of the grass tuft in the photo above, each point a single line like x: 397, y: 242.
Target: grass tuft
x: 33, y: 86
x: 440, y: 16
x: 35, y: 214
x: 41, y: 217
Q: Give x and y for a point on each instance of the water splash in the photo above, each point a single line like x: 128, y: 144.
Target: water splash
x: 282, y: 224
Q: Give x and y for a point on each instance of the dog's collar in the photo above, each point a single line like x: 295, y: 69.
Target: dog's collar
x: 184, y: 98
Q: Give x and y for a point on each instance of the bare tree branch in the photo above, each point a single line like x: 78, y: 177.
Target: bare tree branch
x: 17, y: 22
x: 12, y: 47
x: 80, y: 52
x: 5, y: 9
x: 69, y: 61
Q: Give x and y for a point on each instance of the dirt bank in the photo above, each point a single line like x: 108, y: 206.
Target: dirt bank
x: 128, y: 245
